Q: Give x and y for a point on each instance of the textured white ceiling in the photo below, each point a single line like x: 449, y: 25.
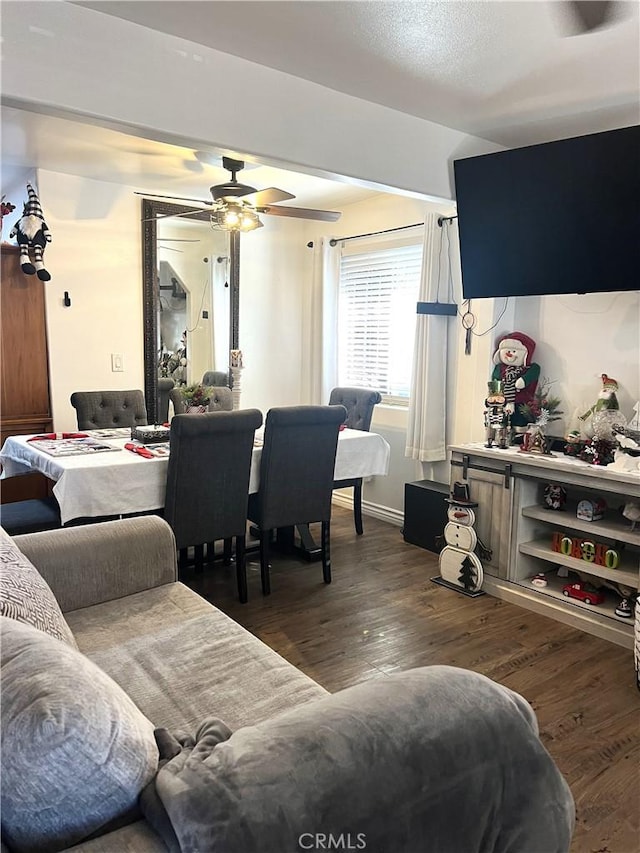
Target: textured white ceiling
x: 512, y: 72
x: 509, y: 71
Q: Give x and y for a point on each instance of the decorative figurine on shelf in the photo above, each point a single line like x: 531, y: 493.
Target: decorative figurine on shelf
x: 517, y: 373
x: 598, y: 421
x: 598, y: 451
x: 591, y: 509
x: 534, y: 440
x: 555, y: 497
x: 496, y: 416
x: 31, y: 232
x: 631, y: 511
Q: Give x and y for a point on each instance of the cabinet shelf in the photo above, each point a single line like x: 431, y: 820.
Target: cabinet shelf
x: 609, y: 527
x: 627, y: 574
x: 508, y: 487
x: 606, y: 609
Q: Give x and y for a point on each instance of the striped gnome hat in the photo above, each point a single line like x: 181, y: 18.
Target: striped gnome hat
x: 32, y: 206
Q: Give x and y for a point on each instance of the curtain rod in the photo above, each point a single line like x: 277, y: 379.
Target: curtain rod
x: 443, y: 219
x: 334, y: 241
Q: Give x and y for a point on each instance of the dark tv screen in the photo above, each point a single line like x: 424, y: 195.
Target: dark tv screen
x: 561, y: 217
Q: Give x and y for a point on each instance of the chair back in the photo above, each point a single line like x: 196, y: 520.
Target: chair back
x: 208, y: 475
x: 164, y: 388
x: 104, y: 409
x: 359, y: 403
x: 221, y: 400
x: 297, y: 464
x: 216, y: 377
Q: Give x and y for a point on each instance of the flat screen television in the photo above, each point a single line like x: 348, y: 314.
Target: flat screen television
x: 561, y: 217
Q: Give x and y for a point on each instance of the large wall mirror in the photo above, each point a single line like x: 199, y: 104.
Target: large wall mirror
x: 190, y: 296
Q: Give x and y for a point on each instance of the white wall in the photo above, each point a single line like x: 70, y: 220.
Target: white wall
x: 95, y: 255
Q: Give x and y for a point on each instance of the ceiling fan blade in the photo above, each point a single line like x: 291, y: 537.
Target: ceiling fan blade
x: 175, y: 198
x: 269, y: 196
x: 592, y: 14
x: 301, y: 213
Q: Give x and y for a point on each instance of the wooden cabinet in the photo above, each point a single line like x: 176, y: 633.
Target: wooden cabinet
x: 24, y: 403
x: 491, y: 486
x: 523, y: 527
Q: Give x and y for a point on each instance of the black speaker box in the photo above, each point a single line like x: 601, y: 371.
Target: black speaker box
x: 425, y: 513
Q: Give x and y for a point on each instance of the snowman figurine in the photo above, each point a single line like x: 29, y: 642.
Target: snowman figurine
x: 459, y: 565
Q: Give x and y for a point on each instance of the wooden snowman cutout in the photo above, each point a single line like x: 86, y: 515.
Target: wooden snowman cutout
x: 459, y: 565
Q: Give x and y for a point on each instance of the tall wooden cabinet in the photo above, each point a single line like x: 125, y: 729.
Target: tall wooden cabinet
x: 24, y: 402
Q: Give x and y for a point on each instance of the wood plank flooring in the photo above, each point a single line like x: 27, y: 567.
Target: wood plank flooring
x: 382, y: 613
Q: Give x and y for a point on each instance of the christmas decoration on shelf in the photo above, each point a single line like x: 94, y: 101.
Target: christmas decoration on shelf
x: 555, y: 496
x: 497, y: 420
x: 543, y: 401
x: 581, y: 548
x: 598, y: 451
x: 591, y: 509
x: 534, y: 440
x: 517, y: 373
x: 604, y: 415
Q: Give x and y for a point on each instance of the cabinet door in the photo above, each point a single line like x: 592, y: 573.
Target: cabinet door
x: 24, y: 401
x: 493, y: 492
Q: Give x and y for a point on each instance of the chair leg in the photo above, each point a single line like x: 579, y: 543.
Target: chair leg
x: 326, y: 551
x: 357, y: 507
x: 265, y: 535
x: 198, y: 553
x: 241, y: 569
x: 228, y: 551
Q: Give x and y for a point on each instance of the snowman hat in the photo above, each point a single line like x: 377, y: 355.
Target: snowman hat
x: 32, y: 205
x: 515, y: 340
x: 608, y: 383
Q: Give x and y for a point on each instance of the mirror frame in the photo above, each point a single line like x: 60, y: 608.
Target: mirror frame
x: 151, y: 209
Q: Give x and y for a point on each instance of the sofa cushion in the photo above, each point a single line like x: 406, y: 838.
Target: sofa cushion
x: 180, y: 659
x: 76, y: 751
x: 26, y: 596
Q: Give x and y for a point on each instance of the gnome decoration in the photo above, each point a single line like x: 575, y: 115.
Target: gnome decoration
x: 600, y: 419
x: 31, y: 232
x: 517, y: 373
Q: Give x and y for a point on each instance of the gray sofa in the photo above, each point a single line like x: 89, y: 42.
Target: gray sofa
x: 249, y: 754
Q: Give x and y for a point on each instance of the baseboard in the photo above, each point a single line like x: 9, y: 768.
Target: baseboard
x: 384, y: 513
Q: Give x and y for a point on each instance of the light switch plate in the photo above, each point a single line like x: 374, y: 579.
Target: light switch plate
x: 116, y: 362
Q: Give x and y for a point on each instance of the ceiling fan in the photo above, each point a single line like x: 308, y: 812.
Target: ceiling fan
x: 236, y: 206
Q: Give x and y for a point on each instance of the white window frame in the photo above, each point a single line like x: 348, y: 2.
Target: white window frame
x: 404, y: 307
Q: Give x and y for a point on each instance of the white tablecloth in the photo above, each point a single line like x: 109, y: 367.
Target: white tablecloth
x: 121, y: 482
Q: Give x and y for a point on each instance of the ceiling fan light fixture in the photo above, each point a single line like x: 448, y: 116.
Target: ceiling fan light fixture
x: 236, y: 217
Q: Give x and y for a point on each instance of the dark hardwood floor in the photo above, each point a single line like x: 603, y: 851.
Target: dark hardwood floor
x: 382, y: 613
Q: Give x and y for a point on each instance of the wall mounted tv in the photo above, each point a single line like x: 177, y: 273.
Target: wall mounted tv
x: 561, y: 217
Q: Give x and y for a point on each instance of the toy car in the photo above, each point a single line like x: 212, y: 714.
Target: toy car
x: 584, y: 592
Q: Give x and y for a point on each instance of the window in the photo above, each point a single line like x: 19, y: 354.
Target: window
x: 377, y: 297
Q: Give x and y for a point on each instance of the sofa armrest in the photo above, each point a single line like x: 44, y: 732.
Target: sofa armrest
x: 99, y: 562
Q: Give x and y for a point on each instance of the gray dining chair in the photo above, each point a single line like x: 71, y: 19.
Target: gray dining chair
x: 216, y: 377
x: 104, y: 409
x: 359, y: 403
x: 296, y: 476
x: 208, y: 483
x: 164, y: 389
x: 221, y: 400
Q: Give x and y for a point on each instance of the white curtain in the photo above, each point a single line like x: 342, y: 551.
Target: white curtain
x: 426, y: 426
x: 326, y: 287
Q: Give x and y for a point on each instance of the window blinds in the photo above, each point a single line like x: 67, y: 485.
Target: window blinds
x: 377, y: 300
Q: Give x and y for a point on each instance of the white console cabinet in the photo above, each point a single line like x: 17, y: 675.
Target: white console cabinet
x: 514, y: 522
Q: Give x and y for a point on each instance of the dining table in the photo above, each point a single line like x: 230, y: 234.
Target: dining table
x: 115, y: 480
